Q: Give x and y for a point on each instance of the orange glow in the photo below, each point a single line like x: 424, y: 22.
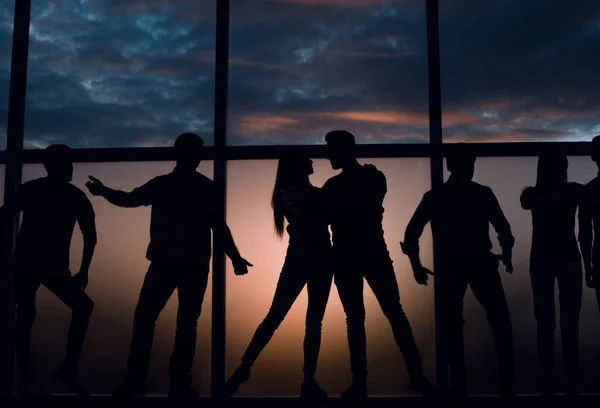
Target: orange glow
x: 401, y: 118
x: 116, y: 277
x: 278, y: 370
x: 261, y: 124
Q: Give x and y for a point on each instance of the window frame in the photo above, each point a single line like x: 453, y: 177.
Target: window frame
x: 14, y: 157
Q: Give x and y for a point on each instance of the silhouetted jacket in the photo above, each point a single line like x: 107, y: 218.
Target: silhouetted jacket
x: 306, y: 213
x: 183, y: 213
x: 355, y: 202
x: 460, y: 216
x: 49, y: 217
x: 553, y: 217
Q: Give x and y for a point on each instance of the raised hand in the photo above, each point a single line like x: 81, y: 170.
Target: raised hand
x: 94, y: 186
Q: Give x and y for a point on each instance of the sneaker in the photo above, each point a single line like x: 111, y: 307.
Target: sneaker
x: 69, y: 378
x: 356, y: 391
x: 312, y: 390
x: 240, y: 376
x: 30, y: 388
x: 130, y: 388
x: 423, y: 386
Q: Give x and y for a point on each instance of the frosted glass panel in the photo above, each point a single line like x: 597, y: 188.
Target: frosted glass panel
x: 116, y: 277
x: 278, y: 371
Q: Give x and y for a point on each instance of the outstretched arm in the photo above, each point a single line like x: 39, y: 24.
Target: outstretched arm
x: 413, y: 232
x: 222, y: 233
x: 136, y: 198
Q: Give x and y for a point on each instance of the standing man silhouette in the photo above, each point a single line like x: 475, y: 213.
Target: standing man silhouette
x: 51, y: 206
x: 589, y: 225
x: 460, y: 213
x: 355, y: 198
x: 183, y: 214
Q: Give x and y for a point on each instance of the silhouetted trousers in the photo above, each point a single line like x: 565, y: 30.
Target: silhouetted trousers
x: 302, y: 267
x: 353, y: 267
x: 570, y: 281
x: 67, y: 290
x: 190, y: 280
x: 479, y: 270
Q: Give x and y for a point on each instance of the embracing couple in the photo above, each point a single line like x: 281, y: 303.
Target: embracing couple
x: 352, y: 203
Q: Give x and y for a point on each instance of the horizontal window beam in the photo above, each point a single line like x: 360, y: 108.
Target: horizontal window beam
x: 149, y: 154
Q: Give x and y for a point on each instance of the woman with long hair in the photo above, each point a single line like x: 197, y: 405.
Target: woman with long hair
x: 555, y: 255
x: 307, y: 262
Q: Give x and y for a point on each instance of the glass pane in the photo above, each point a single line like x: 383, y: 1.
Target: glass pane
x: 520, y: 71
x: 116, y: 277
x: 507, y: 177
x: 7, y: 14
x: 299, y: 68
x: 119, y: 73
x: 278, y: 370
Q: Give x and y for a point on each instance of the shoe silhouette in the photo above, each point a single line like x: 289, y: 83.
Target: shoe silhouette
x: 356, y: 391
x: 311, y: 390
x: 130, y: 388
x: 240, y: 376
x: 69, y: 378
x: 30, y: 388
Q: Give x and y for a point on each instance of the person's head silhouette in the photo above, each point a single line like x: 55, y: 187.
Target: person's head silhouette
x: 341, y: 148
x: 461, y: 161
x: 293, y: 170
x: 58, y: 163
x: 188, y: 151
x: 596, y: 150
x: 552, y: 168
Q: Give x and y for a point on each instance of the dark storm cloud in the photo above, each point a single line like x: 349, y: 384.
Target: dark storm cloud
x: 138, y: 72
x: 522, y: 65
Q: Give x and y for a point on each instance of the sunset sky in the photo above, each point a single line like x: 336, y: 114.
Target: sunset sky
x: 111, y: 73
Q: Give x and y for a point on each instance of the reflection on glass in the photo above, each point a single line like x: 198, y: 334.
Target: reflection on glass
x: 299, y: 68
x: 7, y: 13
x: 278, y: 370
x: 507, y: 177
x: 116, y: 277
x: 519, y: 71
x: 119, y: 73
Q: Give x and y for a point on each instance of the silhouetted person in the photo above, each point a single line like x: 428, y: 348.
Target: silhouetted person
x: 355, y: 198
x: 589, y: 225
x: 460, y: 212
x: 307, y: 263
x: 555, y: 256
x: 51, y: 206
x: 183, y: 213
